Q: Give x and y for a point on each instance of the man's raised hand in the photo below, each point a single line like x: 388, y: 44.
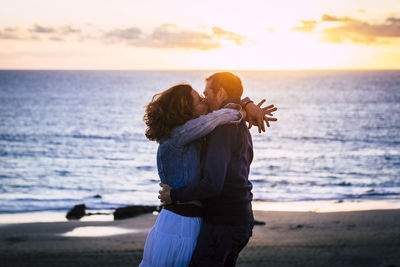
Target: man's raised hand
x: 257, y: 115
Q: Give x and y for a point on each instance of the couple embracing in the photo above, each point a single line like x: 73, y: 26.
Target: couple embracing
x: 203, y: 160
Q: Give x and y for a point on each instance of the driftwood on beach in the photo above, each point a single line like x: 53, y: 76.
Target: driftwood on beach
x: 132, y: 211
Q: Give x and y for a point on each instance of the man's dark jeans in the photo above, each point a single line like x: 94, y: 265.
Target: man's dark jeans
x: 219, y: 245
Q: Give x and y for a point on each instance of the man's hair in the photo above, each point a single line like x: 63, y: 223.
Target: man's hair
x: 227, y: 80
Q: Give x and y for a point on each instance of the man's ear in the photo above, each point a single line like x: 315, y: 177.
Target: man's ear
x: 222, y: 94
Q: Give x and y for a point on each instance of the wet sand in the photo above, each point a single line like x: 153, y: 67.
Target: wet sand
x: 356, y: 238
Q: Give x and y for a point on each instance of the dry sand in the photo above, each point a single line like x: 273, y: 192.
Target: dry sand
x: 357, y: 238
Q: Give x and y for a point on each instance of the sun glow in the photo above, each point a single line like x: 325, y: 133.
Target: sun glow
x: 278, y: 51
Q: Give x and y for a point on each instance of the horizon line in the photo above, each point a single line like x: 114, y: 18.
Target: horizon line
x: 233, y: 70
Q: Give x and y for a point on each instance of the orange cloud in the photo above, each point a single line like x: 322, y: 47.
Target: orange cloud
x: 329, y: 18
x: 307, y: 26
x: 353, y: 30
x: 223, y: 34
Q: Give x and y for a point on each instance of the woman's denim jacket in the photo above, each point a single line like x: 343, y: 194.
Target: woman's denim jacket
x: 178, y: 157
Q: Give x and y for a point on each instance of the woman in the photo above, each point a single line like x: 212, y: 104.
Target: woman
x: 176, y: 119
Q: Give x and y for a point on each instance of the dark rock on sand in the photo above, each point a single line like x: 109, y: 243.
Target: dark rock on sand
x: 258, y: 222
x: 296, y: 227
x: 77, y: 212
x: 132, y: 211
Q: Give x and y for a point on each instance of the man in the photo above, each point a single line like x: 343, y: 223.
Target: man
x: 224, y: 188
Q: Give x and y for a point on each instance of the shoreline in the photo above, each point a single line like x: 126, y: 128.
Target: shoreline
x: 317, y: 206
x: 324, y: 206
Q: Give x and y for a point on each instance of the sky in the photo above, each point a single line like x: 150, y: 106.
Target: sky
x: 185, y: 35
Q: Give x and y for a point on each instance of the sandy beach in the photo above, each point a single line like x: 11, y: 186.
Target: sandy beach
x: 355, y: 238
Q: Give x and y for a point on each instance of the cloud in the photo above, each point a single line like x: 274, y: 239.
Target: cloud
x: 41, y: 29
x: 33, y: 33
x: 68, y: 29
x: 62, y: 30
x: 116, y: 35
x: 393, y: 20
x: 168, y: 36
x: 164, y: 36
x: 362, y: 32
x: 307, y: 26
x: 329, y: 18
x: 8, y: 36
x: 56, y: 38
x: 10, y: 33
x: 172, y: 36
x: 226, y: 35
x: 342, y: 29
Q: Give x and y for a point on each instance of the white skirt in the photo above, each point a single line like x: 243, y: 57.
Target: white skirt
x: 171, y: 241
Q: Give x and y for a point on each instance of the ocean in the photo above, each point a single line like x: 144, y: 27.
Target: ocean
x: 67, y: 136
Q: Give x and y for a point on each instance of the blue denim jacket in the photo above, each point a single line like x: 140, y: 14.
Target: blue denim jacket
x: 178, y: 157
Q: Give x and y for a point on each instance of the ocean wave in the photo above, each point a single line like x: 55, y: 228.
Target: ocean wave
x: 373, y: 193
x: 52, y: 138
x: 342, y: 140
x: 121, y: 136
x: 13, y: 137
x: 316, y: 183
x: 333, y: 197
x: 91, y: 136
x: 145, y: 168
x: 63, y: 172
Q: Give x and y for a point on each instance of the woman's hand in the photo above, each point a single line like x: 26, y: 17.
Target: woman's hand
x: 164, y: 194
x: 257, y: 115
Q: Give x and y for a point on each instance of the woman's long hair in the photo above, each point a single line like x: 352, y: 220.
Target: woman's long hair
x: 168, y: 109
